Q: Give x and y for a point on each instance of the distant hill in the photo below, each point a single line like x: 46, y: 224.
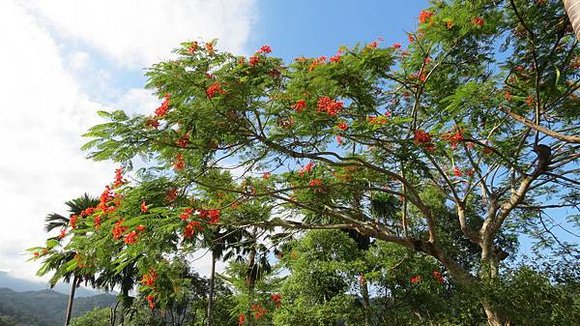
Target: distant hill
x: 21, y: 285
x: 45, y: 307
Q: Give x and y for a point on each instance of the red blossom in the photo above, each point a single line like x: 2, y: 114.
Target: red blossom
x: 87, y: 211
x: 118, y: 229
x: 439, y: 277
x: 454, y: 138
x: 73, y: 221
x: 396, y: 45
x: 131, y: 237
x: 265, y: 49
x: 152, y: 122
x: 277, y: 299
x: 140, y: 228
x: 254, y: 60
x: 530, y: 101
x: 151, y: 301
x: 213, y: 216
x: 179, y: 163
x: 186, y: 214
x: 62, y: 234
x: 411, y: 38
x: 508, y: 96
x: 209, y: 47
x: 316, y: 185
x: 342, y: 126
x: 144, y: 207
x: 415, y: 279
x: 171, y: 195
x: 328, y: 105
x: 339, y: 139
x: 266, y: 175
x: 316, y: 62
x: 478, y: 21
x: 97, y: 221
x: 191, y: 228
x: 421, y: 137
x: 457, y: 172
x: 183, y: 141
x: 259, y: 310
x: 118, y: 178
x: 161, y: 111
x: 149, y: 278
x: 307, y: 168
x: 192, y: 48
x: 373, y: 45
x: 241, y: 319
x: 425, y: 16
x: 449, y: 24
x: 299, y: 106
x: 335, y: 58
x: 213, y: 89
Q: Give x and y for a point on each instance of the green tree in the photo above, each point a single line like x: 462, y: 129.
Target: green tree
x: 481, y: 107
x: 59, y: 261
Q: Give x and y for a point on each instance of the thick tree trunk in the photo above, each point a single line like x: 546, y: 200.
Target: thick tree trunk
x: 71, y: 298
x: 364, y: 289
x: 209, y: 321
x: 573, y: 11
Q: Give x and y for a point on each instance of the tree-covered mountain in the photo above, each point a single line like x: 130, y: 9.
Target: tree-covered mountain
x: 45, y: 307
x: 21, y: 285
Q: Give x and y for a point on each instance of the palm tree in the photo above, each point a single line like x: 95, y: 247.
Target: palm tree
x: 573, y: 11
x: 58, y: 260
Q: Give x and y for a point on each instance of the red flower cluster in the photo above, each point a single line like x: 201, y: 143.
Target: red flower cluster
x: 179, y: 163
x: 149, y: 278
x: 415, y: 279
x: 265, y: 49
x: 186, y: 214
x: 425, y: 16
x: 161, y: 111
x: 119, y: 229
x: 454, y: 138
x: 328, y: 105
x: 316, y: 184
x: 151, y: 301
x: 266, y: 175
x: 212, y: 215
x: 457, y: 172
x: 478, y: 21
x: 335, y: 58
x: 397, y: 45
x: 73, y: 221
x: 171, y: 195
x: 277, y: 299
x: 299, y: 106
x: 152, y: 122
x: 307, y: 168
x: 377, y: 120
x: 423, y: 138
x: 213, y: 89
x: 118, y: 178
x: 259, y: 310
x: 62, y: 234
x: 192, y: 47
x: 183, y: 141
x: 131, y: 237
x: 241, y: 319
x: 97, y: 221
x: 209, y: 48
x: 254, y: 60
x: 508, y: 96
x: 88, y: 211
x: 316, y: 62
x: 191, y: 228
x: 144, y: 207
x: 342, y: 126
x: 439, y: 277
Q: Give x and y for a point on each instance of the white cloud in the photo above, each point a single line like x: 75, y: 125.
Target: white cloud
x: 45, y: 107
x: 138, y: 33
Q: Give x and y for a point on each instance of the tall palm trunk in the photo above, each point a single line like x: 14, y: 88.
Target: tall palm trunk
x: 211, y: 289
x: 71, y: 298
x: 573, y: 11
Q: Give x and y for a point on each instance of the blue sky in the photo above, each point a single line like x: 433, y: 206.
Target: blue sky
x: 63, y: 60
